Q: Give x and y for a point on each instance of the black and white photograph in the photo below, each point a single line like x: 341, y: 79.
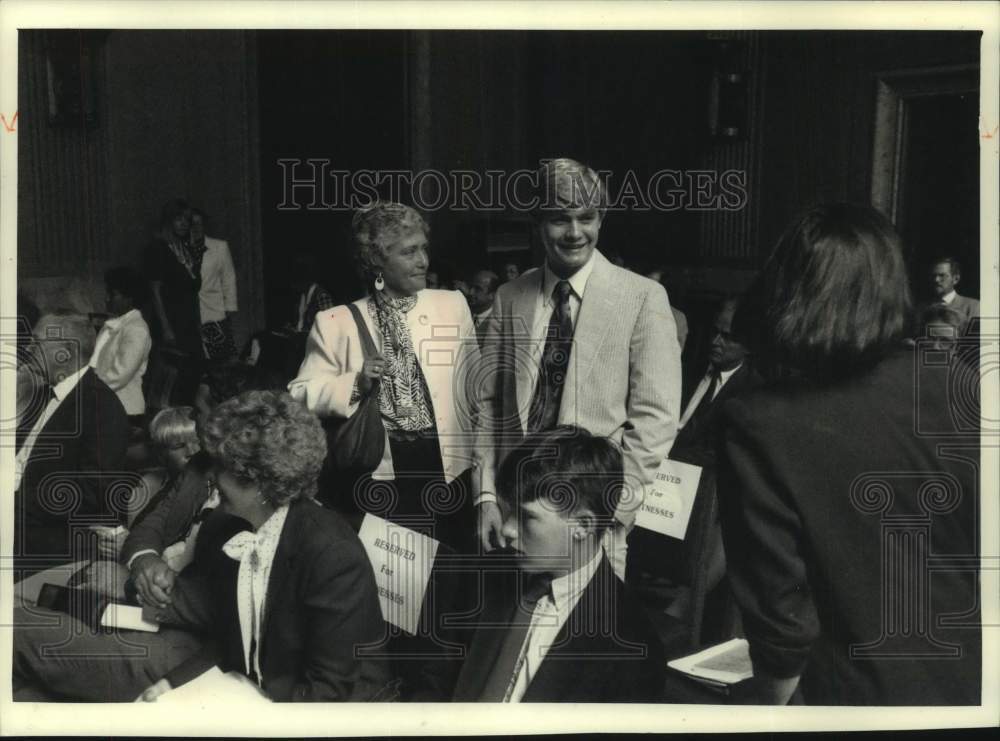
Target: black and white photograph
x: 625, y: 363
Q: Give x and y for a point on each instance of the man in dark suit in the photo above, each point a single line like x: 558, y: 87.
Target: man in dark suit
x: 945, y: 276
x: 561, y: 627
x: 682, y: 574
x: 71, y: 441
x: 728, y: 374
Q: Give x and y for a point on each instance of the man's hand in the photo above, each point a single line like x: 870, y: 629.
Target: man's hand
x: 153, y: 579
x: 103, y: 577
x: 109, y: 541
x: 153, y: 691
x: 490, y: 524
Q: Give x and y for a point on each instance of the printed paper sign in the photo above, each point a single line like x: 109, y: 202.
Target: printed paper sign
x: 667, y: 506
x: 401, y: 559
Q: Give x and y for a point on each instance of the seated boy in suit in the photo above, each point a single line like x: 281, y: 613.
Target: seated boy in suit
x: 560, y: 627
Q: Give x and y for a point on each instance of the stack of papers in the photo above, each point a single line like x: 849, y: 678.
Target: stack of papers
x: 215, y: 688
x: 719, y: 666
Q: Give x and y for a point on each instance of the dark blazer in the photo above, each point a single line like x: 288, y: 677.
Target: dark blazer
x: 606, y: 651
x: 837, y: 500
x: 697, y: 441
x: 322, y: 605
x: 71, y: 476
x: 167, y: 519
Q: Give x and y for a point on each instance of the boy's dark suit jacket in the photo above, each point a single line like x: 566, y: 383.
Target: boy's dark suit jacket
x: 70, y: 475
x: 606, y: 651
x: 321, y: 606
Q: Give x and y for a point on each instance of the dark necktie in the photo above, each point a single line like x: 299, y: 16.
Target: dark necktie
x: 503, y: 673
x: 545, y: 403
x: 708, y: 398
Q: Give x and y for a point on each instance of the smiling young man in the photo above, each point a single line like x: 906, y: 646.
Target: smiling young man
x: 561, y: 628
x: 579, y: 341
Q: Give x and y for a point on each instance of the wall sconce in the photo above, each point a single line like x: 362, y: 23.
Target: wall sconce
x: 727, y: 100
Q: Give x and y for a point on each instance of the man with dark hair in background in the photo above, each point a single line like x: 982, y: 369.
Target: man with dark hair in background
x: 482, y: 290
x: 945, y: 276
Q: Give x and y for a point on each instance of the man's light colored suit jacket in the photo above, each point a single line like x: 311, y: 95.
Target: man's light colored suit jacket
x: 623, y: 380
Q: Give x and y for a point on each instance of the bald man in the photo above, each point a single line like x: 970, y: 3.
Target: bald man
x: 71, y: 440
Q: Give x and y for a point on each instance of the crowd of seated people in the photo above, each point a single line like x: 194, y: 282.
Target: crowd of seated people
x: 525, y: 455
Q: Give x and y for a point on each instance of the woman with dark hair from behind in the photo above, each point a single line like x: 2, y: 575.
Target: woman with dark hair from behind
x: 282, y: 585
x: 816, y: 468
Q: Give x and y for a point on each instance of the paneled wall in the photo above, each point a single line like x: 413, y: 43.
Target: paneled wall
x: 176, y: 117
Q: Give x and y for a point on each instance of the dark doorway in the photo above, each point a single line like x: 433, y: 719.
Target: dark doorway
x: 939, y: 193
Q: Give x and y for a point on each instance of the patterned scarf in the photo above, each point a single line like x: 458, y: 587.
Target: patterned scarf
x: 189, y: 255
x: 403, y: 398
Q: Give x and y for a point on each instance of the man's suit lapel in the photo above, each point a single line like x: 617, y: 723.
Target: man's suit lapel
x: 484, y: 649
x: 522, y: 322
x: 63, y: 427
x: 592, y: 324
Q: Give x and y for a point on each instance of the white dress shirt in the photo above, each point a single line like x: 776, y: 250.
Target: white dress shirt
x: 544, y: 306
x: 948, y: 297
x: 550, y: 615
x: 478, y: 319
x: 218, y: 282
x: 120, y: 358
x: 255, y: 552
x: 702, y: 389
x: 59, y: 392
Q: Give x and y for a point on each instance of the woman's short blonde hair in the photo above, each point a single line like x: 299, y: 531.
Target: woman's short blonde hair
x: 173, y: 426
x: 376, y: 227
x: 270, y: 439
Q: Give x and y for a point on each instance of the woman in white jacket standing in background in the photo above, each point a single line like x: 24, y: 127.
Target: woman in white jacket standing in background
x: 217, y: 301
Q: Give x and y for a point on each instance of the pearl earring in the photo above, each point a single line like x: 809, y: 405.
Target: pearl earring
x: 379, y: 282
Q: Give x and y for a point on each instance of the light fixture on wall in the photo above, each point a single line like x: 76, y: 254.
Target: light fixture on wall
x: 727, y: 100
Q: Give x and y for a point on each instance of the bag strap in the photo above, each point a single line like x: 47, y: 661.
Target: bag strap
x: 368, y: 348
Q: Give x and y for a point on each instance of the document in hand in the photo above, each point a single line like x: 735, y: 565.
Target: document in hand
x: 667, y: 504
x: 401, y: 559
x: 724, y: 664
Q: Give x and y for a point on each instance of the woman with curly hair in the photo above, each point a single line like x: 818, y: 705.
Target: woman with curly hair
x: 281, y: 585
x: 427, y: 348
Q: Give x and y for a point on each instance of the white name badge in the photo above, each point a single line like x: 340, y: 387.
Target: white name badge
x: 667, y: 506
x: 401, y: 559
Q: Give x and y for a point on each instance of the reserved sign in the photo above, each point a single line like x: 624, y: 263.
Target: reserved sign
x: 667, y: 506
x: 401, y: 559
